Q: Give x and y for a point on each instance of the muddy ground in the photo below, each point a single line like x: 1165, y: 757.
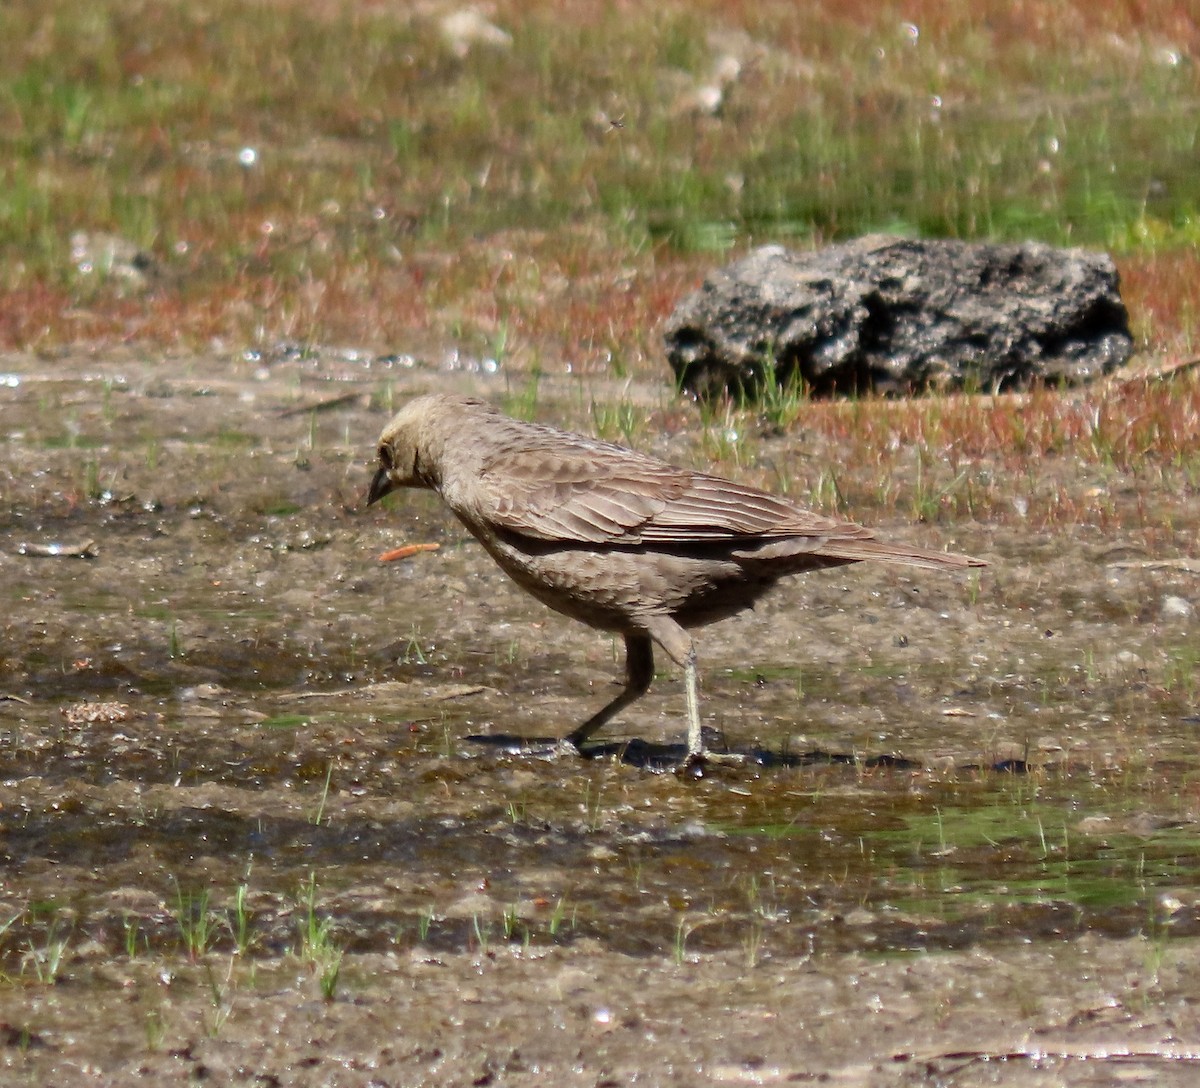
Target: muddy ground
x: 235, y: 746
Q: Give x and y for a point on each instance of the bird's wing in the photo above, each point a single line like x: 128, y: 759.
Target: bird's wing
x: 587, y: 491
x: 579, y: 490
x: 715, y: 509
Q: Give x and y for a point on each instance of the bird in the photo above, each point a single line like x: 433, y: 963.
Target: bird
x: 617, y: 539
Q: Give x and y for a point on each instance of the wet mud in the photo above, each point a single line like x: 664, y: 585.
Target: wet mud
x: 274, y: 812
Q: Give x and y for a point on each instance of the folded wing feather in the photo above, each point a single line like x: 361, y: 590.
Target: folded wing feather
x: 594, y: 492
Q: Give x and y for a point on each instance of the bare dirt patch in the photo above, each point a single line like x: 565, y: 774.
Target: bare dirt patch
x: 237, y: 779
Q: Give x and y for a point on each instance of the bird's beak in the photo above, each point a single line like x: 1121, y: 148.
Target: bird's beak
x: 381, y: 485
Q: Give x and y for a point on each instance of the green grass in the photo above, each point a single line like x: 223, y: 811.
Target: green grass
x: 285, y: 721
x: 317, y: 947
x: 298, y: 173
x: 45, y: 959
x: 196, y: 922
x: 240, y: 919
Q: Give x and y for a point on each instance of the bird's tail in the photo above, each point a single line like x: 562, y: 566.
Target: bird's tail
x: 877, y: 551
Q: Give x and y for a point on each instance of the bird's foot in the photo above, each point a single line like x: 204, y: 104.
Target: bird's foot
x: 696, y: 763
x: 569, y: 748
x: 725, y: 759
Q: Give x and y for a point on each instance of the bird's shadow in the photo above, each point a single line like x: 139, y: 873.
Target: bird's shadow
x: 669, y: 757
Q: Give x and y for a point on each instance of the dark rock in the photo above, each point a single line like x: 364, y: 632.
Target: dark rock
x: 899, y: 315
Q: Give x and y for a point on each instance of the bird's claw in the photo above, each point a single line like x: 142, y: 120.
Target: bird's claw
x: 725, y: 759
x: 695, y: 763
x: 568, y: 748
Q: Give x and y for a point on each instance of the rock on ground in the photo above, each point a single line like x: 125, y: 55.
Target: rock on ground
x: 899, y: 315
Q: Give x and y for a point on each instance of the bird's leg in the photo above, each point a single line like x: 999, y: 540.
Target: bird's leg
x: 695, y: 739
x: 682, y: 650
x: 639, y: 671
x: 679, y: 645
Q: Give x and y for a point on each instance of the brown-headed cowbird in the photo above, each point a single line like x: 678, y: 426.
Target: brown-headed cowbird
x: 614, y: 538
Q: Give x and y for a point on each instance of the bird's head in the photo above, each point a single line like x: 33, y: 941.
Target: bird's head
x: 411, y: 445
x: 399, y: 462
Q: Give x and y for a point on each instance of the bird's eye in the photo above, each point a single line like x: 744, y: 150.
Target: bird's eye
x: 385, y: 457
